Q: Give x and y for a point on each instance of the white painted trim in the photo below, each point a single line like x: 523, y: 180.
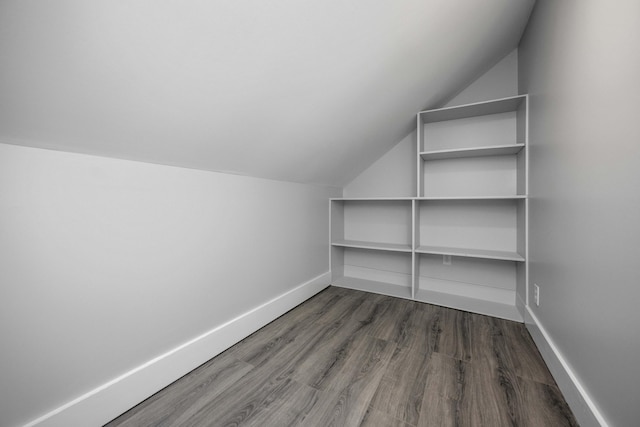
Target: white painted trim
x: 111, y: 399
x: 583, y: 407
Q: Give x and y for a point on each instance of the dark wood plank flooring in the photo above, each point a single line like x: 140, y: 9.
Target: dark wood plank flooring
x: 351, y: 358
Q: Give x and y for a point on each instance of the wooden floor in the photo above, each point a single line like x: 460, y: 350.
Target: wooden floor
x: 351, y: 358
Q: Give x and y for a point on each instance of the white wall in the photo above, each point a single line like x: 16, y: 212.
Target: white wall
x: 500, y: 81
x: 106, y: 264
x: 302, y: 91
x: 580, y: 63
x: 394, y: 174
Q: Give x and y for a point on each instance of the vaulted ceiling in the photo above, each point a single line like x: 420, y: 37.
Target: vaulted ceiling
x: 304, y: 91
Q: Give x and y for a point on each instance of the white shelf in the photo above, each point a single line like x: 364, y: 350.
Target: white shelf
x: 372, y: 245
x: 497, y: 106
x: 495, y: 150
x: 370, y: 199
x: 471, y: 253
x: 373, y: 286
x: 464, y: 198
x: 494, y: 197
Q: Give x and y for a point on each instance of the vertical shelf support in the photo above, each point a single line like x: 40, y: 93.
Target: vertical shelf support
x: 419, y: 148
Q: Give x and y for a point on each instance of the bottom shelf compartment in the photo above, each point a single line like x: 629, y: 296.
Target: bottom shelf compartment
x: 478, y: 285
x: 378, y: 271
x: 474, y: 305
x: 485, y: 286
x: 390, y: 289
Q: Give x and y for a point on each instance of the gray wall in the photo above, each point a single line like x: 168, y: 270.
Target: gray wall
x: 106, y: 264
x: 580, y: 63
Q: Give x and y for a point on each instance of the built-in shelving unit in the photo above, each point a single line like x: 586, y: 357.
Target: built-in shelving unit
x: 461, y: 241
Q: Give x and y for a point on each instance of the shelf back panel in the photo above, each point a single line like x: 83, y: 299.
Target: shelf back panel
x: 386, y: 267
x: 474, y: 271
x: 472, y: 132
x: 474, y: 224
x: 398, y: 262
x: 471, y: 176
x: 378, y: 221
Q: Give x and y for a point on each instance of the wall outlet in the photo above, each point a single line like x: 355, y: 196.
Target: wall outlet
x: 446, y: 259
x: 536, y: 294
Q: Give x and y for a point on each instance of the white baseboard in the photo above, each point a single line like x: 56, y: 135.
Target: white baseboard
x: 583, y: 407
x: 111, y: 399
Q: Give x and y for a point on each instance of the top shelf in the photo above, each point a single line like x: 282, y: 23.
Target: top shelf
x: 498, y: 106
x: 432, y: 198
x: 374, y: 199
x: 495, y: 150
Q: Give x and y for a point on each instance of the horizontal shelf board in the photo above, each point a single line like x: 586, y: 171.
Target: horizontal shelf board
x: 498, y: 106
x: 500, y: 197
x: 471, y: 253
x: 496, y: 150
x: 436, y: 198
x: 369, y: 199
x: 393, y: 247
x: 373, y: 286
x: 489, y: 308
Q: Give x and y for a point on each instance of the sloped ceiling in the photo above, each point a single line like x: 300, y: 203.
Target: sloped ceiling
x: 304, y: 91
